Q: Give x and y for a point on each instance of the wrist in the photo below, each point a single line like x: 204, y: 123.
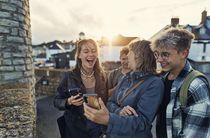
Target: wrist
x: 69, y: 101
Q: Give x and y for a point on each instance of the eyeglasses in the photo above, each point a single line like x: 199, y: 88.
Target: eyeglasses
x: 164, y: 55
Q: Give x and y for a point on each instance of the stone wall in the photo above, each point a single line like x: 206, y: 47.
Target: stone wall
x: 17, y: 100
x: 47, y: 81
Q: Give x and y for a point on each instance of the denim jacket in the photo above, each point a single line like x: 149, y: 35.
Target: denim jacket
x: 145, y: 99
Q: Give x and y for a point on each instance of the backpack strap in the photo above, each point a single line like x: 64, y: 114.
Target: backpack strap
x: 186, y: 84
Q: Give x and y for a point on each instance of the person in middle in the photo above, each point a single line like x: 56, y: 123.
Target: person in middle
x: 135, y: 101
x: 115, y: 75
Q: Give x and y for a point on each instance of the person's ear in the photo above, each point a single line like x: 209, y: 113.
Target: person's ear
x: 185, y: 53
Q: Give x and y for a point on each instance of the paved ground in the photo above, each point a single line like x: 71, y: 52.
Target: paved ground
x: 46, y: 118
x: 47, y: 115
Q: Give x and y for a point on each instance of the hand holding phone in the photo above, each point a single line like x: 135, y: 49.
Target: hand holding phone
x: 75, y: 97
x: 75, y: 91
x: 92, y: 100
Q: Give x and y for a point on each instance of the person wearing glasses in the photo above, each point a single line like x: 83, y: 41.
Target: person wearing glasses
x: 134, y: 104
x: 171, y: 51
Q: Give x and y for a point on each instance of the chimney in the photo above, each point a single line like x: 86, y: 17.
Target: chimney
x: 174, y: 21
x: 203, y: 17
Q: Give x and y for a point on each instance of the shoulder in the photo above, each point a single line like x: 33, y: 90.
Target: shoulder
x: 154, y: 81
x: 198, y: 82
x: 115, y: 71
x: 199, y: 88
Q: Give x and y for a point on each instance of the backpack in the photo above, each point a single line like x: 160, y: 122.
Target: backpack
x: 186, y: 84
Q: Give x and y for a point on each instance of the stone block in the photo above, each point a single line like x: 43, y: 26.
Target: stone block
x: 19, y: 61
x: 20, y: 68
x: 8, y: 7
x: 10, y: 23
x: 6, y: 68
x: 6, y: 54
x: 5, y: 14
x: 15, y: 39
x: 14, y: 31
x: 16, y: 2
x: 13, y: 76
x: 7, y: 62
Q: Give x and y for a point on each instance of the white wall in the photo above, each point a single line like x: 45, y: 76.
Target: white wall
x: 196, y: 52
x: 110, y: 53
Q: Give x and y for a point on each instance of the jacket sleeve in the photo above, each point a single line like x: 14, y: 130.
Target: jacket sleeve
x: 60, y: 100
x: 109, y: 80
x: 197, y: 110
x: 147, y: 107
x: 112, y: 105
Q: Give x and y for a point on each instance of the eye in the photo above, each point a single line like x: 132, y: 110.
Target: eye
x: 166, y: 54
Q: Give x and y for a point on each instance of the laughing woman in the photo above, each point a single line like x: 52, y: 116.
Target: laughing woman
x: 87, y: 77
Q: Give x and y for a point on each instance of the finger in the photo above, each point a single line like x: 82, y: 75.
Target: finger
x: 101, y: 103
x: 124, y: 113
x: 76, y: 96
x: 78, y: 100
x: 87, y: 115
x: 132, y: 111
x: 88, y: 109
x: 128, y: 112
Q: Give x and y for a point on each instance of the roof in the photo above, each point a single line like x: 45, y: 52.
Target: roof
x: 164, y: 29
x: 195, y: 29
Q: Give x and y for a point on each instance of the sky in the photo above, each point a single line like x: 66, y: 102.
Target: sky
x: 65, y: 19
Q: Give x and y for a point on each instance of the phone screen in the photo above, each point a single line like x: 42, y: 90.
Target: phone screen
x: 92, y: 100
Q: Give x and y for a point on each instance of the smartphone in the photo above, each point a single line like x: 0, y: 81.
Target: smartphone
x: 92, y: 100
x: 74, y: 92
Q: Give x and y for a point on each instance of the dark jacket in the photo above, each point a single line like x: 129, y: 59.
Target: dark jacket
x: 75, y: 121
x: 145, y: 99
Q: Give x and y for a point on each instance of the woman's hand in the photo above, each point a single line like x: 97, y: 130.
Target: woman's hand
x: 127, y: 110
x: 98, y: 116
x: 76, y: 100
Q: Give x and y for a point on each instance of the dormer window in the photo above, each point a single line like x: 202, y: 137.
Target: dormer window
x: 202, y: 31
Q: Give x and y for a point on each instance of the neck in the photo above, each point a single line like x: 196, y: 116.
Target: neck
x: 175, y: 72
x: 125, y: 70
x: 86, y: 71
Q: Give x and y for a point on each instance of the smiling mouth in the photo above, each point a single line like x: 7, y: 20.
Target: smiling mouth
x: 90, y: 61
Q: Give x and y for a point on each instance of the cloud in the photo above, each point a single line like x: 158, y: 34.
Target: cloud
x: 64, y: 19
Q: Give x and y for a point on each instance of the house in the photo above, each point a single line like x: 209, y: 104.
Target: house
x: 200, y: 49
x: 39, y: 54
x: 69, y: 46
x: 54, y: 48
x: 64, y: 60
x: 110, y: 49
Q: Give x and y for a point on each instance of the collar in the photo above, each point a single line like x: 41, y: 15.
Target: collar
x: 136, y: 75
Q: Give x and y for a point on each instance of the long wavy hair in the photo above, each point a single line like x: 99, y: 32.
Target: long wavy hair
x: 97, y: 67
x: 144, y: 56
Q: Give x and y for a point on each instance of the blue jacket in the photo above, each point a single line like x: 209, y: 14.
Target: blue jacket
x: 145, y: 99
